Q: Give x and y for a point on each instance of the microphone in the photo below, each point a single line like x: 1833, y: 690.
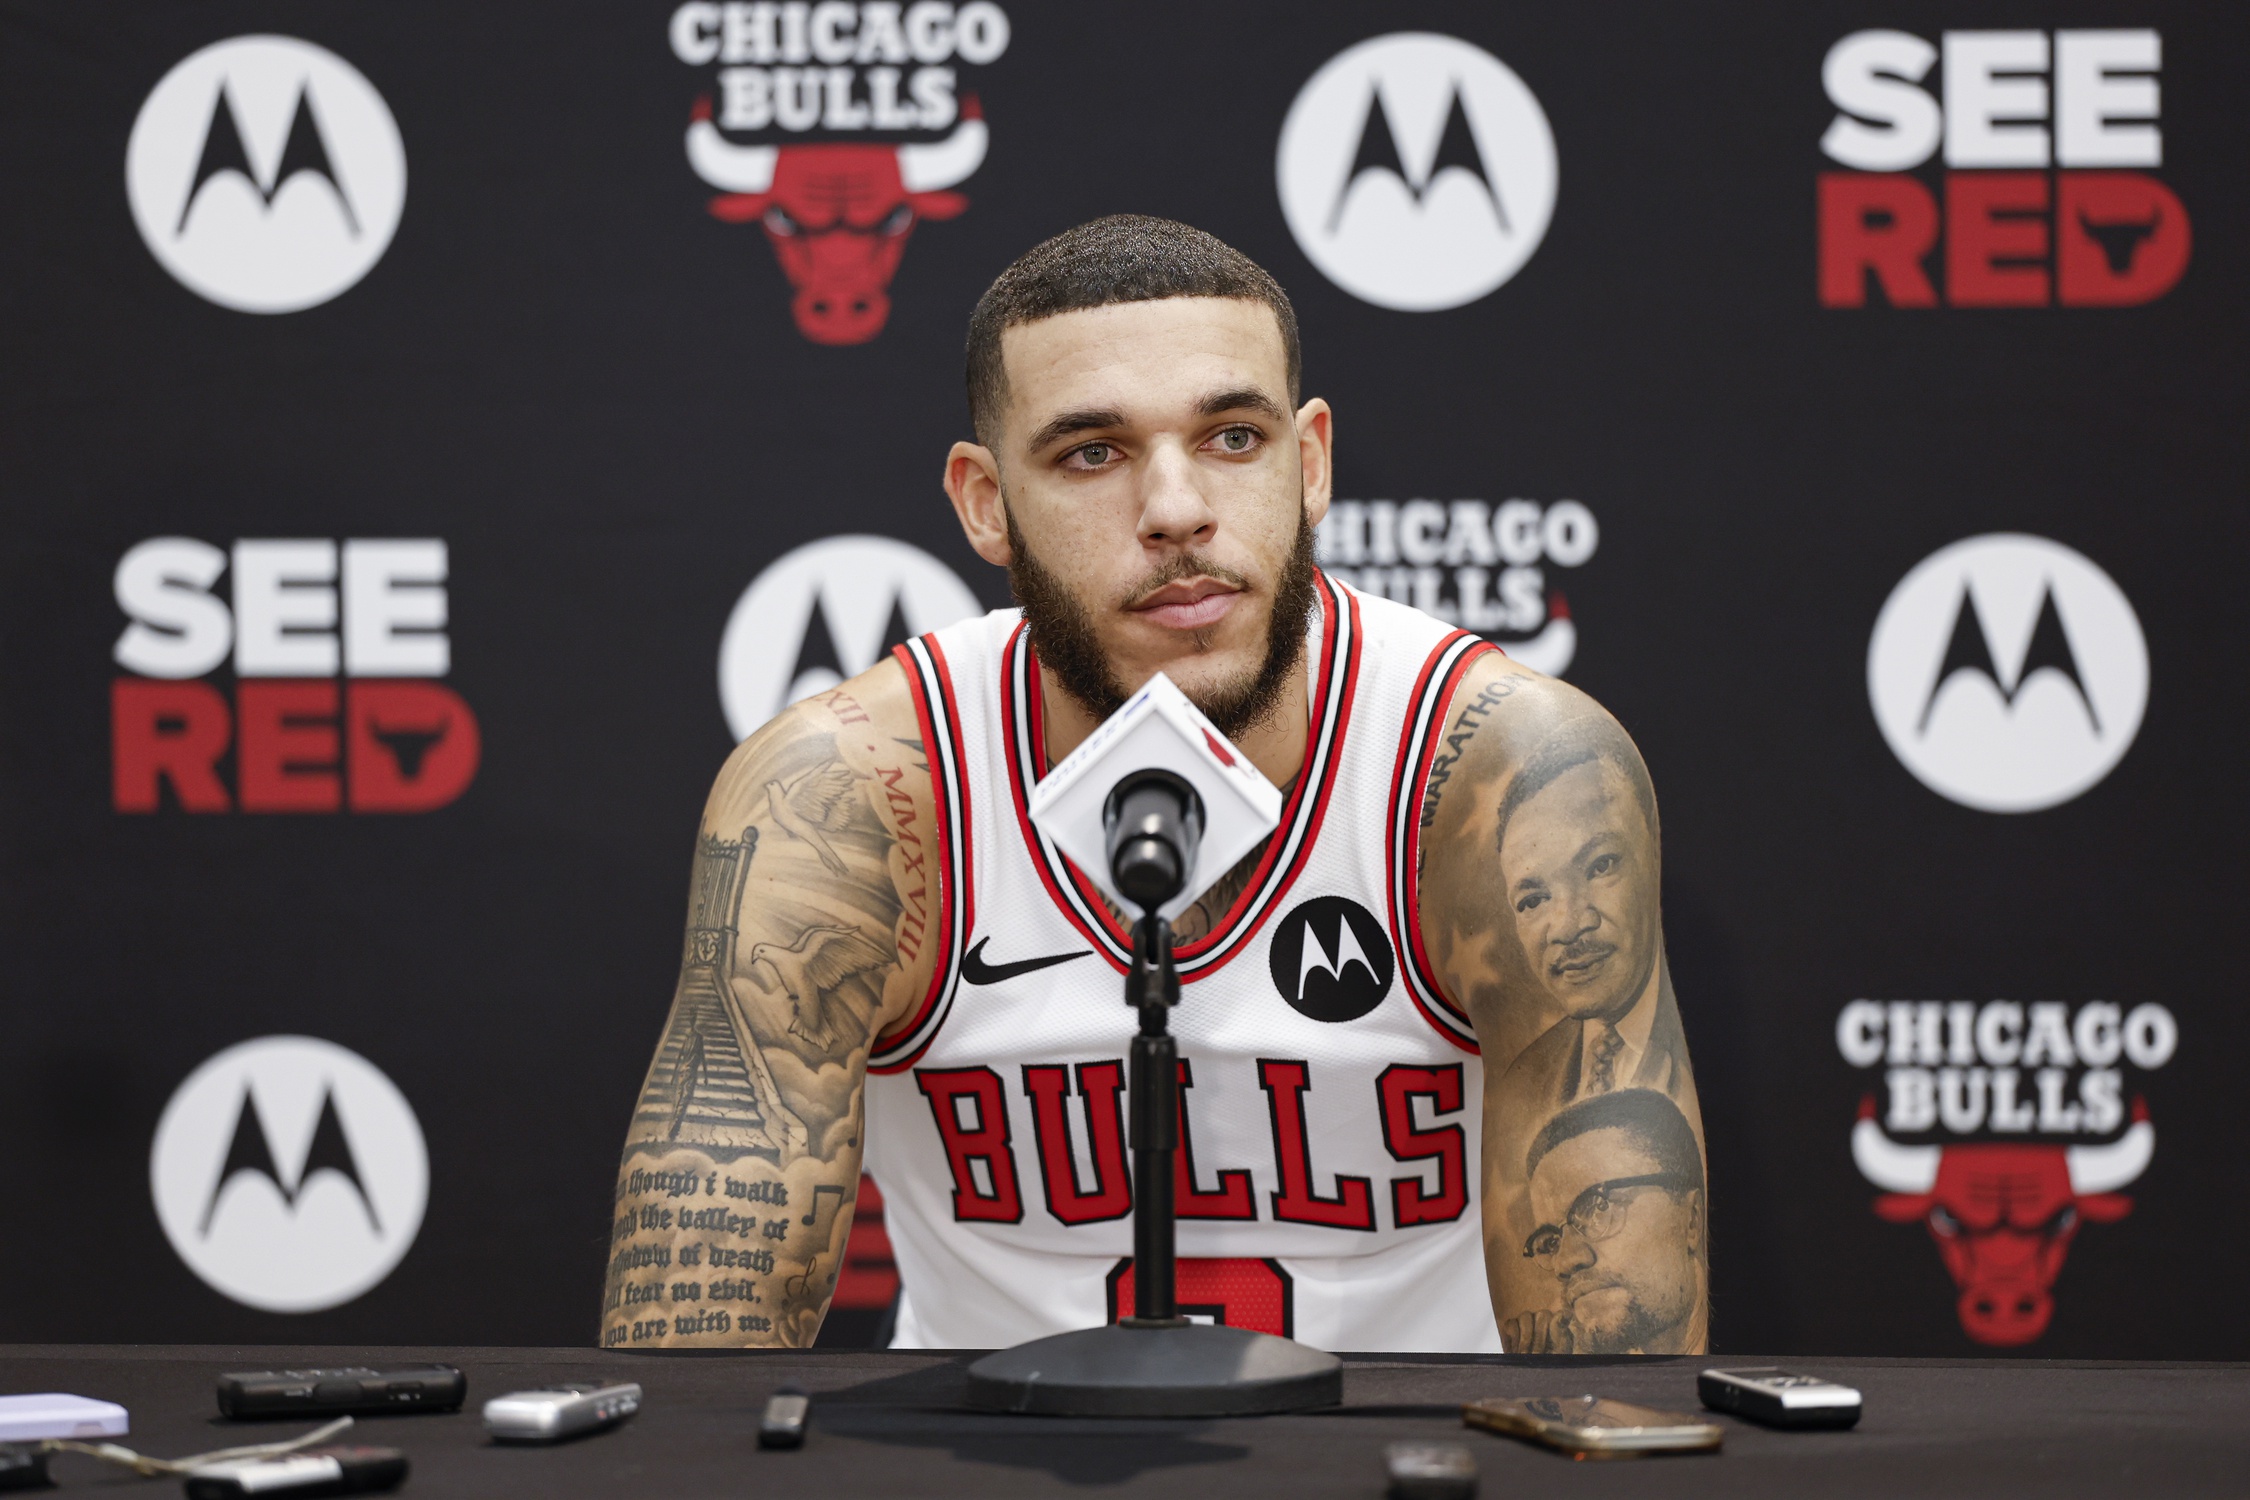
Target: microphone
x: 1156, y: 805
x: 1155, y: 823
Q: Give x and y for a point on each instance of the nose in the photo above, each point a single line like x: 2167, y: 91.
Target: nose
x: 1174, y: 511
x: 2006, y: 1314
x: 1574, y: 1254
x: 1576, y: 916
x: 840, y: 314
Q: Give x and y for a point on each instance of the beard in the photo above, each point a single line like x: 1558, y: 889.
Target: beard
x: 1634, y: 1328
x: 1062, y: 632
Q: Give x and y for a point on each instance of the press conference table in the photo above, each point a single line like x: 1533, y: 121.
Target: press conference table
x: 893, y: 1424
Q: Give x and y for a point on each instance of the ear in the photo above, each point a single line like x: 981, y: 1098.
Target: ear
x: 972, y: 483
x: 1316, y: 451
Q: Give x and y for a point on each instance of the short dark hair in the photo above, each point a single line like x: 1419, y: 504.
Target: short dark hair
x: 1581, y: 741
x: 1121, y: 258
x: 1654, y: 1123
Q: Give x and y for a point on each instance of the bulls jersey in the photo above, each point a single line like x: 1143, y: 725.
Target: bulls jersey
x: 1331, y: 1099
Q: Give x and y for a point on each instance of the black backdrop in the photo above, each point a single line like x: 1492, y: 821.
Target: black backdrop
x: 594, y: 391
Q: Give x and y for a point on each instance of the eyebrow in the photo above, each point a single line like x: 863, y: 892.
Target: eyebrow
x: 1249, y: 398
x: 1085, y: 419
x: 1592, y: 842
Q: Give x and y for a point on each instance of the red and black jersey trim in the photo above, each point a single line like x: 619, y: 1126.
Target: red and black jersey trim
x: 1418, y: 746
x: 954, y: 914
x: 1335, y: 679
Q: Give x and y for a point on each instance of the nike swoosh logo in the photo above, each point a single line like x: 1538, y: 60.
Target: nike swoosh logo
x: 974, y: 970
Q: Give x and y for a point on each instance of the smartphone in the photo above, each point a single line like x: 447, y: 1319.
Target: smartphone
x: 276, y: 1393
x: 1593, y: 1427
x: 1778, y: 1398
x: 316, y: 1471
x: 27, y: 1419
x: 552, y: 1413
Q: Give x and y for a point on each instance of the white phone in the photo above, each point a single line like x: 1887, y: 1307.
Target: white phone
x: 25, y: 1419
x: 559, y: 1411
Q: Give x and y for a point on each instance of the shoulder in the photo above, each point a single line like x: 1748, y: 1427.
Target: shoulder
x: 1503, y: 717
x: 1494, y: 709
x: 837, y: 793
x: 869, y: 723
x: 1530, y: 694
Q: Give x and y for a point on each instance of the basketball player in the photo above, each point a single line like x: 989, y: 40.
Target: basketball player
x: 888, y: 968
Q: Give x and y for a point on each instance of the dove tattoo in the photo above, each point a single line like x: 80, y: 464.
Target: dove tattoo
x: 812, y: 806
x: 811, y: 969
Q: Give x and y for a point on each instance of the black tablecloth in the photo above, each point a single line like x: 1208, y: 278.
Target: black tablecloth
x: 892, y: 1424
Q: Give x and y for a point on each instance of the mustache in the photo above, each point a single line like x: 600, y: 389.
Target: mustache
x: 1580, y: 950
x: 1581, y: 1284
x: 1178, y: 569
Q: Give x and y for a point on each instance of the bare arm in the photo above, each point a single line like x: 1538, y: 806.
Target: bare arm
x: 1539, y: 891
x: 806, y: 939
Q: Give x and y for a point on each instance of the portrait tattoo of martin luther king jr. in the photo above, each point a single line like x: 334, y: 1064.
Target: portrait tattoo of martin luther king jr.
x: 1577, y: 841
x: 1595, y: 1205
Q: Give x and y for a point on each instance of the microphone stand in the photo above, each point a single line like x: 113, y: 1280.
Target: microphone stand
x: 1155, y: 1363
x: 1153, y: 987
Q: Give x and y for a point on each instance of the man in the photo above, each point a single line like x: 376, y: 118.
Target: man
x: 1617, y: 1187
x: 1578, y: 842
x: 887, y: 965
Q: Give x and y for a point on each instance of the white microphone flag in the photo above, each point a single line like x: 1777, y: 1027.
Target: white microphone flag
x: 1158, y: 728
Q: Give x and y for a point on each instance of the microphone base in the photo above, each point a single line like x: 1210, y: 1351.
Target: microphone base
x: 1171, y: 1368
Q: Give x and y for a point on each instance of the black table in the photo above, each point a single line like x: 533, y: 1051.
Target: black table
x: 892, y: 1424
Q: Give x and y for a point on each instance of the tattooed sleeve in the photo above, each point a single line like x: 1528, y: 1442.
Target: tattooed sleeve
x: 1539, y: 891
x: 805, y: 940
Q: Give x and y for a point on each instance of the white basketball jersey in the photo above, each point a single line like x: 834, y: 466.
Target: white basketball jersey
x: 1327, y: 1176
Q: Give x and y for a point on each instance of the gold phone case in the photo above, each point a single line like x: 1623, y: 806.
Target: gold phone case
x: 1592, y: 1427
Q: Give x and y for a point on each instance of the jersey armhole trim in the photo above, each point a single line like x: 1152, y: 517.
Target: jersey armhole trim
x: 935, y: 709
x: 1418, y: 744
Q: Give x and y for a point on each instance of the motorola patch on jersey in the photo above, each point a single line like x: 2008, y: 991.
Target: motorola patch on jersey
x: 1331, y: 959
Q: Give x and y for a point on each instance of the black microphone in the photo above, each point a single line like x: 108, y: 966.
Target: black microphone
x: 1154, y: 822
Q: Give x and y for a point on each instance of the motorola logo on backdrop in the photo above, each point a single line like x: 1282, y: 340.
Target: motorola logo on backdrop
x: 1417, y: 171
x: 826, y: 612
x: 289, y: 1173
x: 2008, y: 673
x: 266, y: 174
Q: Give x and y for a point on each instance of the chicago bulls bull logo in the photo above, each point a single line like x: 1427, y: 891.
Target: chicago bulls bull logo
x: 2003, y: 1215
x: 838, y: 216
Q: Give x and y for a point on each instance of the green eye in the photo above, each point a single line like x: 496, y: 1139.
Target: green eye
x: 1095, y: 453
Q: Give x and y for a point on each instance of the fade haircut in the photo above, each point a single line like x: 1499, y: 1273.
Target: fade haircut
x: 1121, y: 258
x: 1649, y: 1120
x: 1581, y: 741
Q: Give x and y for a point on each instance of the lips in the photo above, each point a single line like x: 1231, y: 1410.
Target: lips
x: 1600, y: 1305
x: 1190, y: 604
x: 1582, y: 960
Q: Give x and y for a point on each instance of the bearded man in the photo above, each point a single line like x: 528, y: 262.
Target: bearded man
x: 888, y: 967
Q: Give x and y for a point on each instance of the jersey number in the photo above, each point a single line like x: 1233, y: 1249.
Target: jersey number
x: 1253, y: 1294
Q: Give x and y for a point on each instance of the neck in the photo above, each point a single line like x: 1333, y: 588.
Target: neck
x: 1275, y: 745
